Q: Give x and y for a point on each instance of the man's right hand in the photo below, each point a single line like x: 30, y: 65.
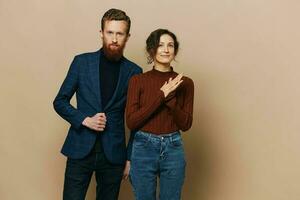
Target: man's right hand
x: 97, y: 122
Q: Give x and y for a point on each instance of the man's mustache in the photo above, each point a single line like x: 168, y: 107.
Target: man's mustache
x: 114, y: 45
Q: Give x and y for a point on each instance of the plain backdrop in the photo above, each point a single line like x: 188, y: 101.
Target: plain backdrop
x: 243, y: 56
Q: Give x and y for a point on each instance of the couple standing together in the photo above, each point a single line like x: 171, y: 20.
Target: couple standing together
x: 157, y: 105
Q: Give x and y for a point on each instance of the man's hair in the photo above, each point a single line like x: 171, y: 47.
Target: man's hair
x: 115, y: 14
x: 152, y: 43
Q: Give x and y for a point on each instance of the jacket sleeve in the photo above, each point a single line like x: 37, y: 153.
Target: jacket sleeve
x: 62, y: 103
x: 183, y: 114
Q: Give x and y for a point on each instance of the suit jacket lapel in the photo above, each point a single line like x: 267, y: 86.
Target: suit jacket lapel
x: 94, y: 61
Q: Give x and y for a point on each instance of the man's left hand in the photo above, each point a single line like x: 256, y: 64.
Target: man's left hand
x: 126, y: 170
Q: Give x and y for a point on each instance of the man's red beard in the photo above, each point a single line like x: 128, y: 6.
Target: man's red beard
x: 113, y: 51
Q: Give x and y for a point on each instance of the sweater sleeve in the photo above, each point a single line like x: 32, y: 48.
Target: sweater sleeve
x: 183, y: 114
x: 136, y: 115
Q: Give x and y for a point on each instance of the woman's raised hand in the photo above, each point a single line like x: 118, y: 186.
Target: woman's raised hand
x: 171, y: 85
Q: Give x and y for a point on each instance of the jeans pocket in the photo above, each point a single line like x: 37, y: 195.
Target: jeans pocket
x: 177, y: 143
x: 140, y: 141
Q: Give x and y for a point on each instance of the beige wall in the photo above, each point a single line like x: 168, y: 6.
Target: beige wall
x: 242, y: 55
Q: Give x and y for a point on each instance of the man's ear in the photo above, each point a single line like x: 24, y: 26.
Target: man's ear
x: 101, y: 34
x: 128, y: 36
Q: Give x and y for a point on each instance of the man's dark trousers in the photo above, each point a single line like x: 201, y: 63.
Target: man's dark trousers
x: 79, y: 172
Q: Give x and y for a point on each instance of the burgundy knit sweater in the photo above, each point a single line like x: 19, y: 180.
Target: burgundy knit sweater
x: 148, y: 110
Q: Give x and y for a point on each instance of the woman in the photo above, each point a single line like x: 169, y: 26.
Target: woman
x: 159, y: 105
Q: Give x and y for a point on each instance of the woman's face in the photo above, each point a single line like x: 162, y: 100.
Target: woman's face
x: 165, y: 52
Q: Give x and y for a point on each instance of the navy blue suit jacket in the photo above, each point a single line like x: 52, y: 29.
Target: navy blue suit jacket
x: 83, y: 79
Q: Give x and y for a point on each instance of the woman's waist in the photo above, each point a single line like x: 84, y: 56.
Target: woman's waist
x: 159, y: 131
x: 163, y: 136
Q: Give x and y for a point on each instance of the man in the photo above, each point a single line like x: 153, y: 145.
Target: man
x: 96, y: 138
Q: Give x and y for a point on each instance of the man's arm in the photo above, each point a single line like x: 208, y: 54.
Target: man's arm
x: 62, y: 103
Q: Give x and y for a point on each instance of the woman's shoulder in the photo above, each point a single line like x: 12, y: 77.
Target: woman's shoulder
x: 187, y: 79
x: 142, y: 75
x: 139, y: 77
x: 187, y: 82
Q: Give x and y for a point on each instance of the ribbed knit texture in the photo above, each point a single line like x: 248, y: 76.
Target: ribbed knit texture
x: 148, y: 110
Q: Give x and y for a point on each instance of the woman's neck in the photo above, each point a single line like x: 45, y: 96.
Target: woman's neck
x: 162, y: 67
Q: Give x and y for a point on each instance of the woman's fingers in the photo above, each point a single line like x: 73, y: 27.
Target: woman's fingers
x: 175, y: 81
x: 178, y: 78
x: 171, y: 85
x: 174, y: 87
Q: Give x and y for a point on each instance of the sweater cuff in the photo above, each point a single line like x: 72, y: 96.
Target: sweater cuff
x: 170, y: 96
x: 171, y: 104
x: 170, y: 100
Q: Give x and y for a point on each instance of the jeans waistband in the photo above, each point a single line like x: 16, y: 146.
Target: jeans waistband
x: 170, y: 136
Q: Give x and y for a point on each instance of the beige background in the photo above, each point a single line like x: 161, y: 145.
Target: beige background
x: 243, y: 56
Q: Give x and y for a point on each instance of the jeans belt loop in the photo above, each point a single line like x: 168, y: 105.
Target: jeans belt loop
x: 171, y: 138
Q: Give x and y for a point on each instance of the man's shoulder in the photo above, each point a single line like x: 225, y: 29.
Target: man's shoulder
x: 131, y: 64
x: 88, y: 54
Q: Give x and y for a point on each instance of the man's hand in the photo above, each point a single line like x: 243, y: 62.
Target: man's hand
x: 97, y: 122
x: 126, y: 170
x: 171, y: 85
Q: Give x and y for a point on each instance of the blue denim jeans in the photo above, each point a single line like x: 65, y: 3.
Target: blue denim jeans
x: 155, y: 157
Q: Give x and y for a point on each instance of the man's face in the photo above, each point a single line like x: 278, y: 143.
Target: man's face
x: 114, y: 36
